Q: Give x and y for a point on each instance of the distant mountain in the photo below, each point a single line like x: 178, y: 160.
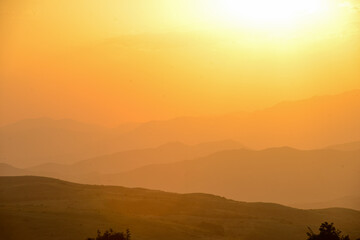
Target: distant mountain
x: 48, y: 123
x: 8, y: 170
x: 352, y: 146
x: 352, y: 202
x: 167, y: 153
x: 129, y: 160
x: 282, y: 175
x: 35, y: 141
x: 64, y: 210
x: 307, y: 124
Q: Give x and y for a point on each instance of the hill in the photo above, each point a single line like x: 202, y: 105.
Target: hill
x: 271, y: 175
x: 282, y: 175
x: 42, y: 208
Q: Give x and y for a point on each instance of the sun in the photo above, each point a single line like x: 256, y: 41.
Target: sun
x: 267, y: 13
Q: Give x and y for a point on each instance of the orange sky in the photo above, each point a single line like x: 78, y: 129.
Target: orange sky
x: 115, y: 61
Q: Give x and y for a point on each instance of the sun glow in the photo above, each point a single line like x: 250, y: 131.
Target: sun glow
x: 267, y: 13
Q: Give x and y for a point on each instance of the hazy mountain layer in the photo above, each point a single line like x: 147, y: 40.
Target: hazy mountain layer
x: 309, y: 179
x: 132, y: 159
x: 36, y: 141
x: 306, y: 124
x: 312, y: 123
x: 352, y: 146
x: 281, y: 175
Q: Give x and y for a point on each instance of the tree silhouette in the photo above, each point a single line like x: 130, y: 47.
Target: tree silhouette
x: 327, y: 232
x: 111, y: 235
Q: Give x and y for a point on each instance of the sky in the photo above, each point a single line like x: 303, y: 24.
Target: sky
x: 113, y: 61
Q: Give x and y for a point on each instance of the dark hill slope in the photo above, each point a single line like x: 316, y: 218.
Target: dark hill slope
x: 42, y: 208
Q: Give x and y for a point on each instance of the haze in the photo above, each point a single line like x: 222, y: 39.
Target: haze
x: 120, y: 61
x: 179, y: 119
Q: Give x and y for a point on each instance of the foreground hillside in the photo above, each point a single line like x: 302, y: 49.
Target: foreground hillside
x: 42, y: 208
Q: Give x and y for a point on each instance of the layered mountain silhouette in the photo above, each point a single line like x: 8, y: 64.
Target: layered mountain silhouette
x: 282, y: 175
x: 189, y: 154
x: 34, y: 208
x: 90, y: 169
x: 313, y: 123
x: 289, y: 176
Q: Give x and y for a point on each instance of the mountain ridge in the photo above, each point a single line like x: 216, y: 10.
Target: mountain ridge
x: 308, y: 124
x: 231, y: 173
x: 82, y: 209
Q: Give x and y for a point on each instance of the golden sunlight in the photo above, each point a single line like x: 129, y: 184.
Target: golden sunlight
x: 265, y: 14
